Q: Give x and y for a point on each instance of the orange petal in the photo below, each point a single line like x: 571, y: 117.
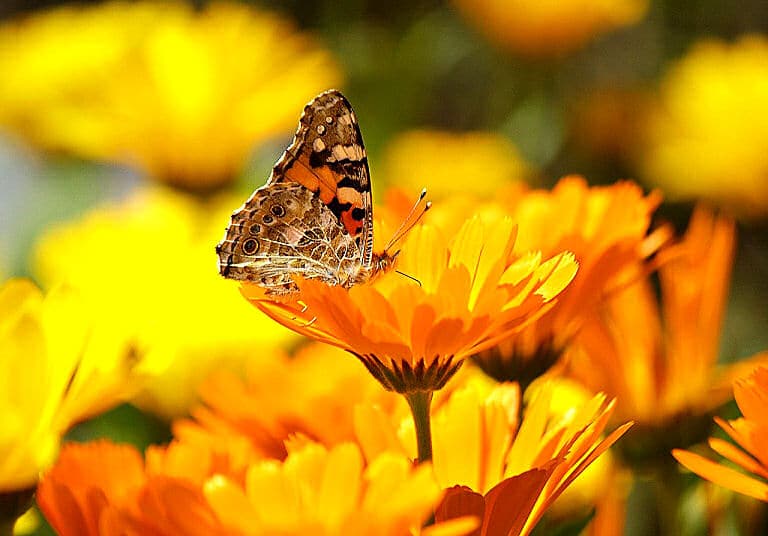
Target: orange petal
x: 721, y: 475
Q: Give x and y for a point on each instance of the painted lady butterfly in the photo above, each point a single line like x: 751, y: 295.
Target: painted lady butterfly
x: 314, y: 216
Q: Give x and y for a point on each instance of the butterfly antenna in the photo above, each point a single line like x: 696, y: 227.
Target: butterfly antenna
x: 410, y: 220
x: 409, y: 277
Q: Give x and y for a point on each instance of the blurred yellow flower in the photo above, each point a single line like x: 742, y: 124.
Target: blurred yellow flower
x: 541, y: 28
x: 60, y: 362
x: 708, y: 137
x: 413, y: 336
x: 338, y: 493
x: 751, y: 434
x: 501, y: 163
x: 147, y: 264
x: 660, y: 360
x: 181, y: 93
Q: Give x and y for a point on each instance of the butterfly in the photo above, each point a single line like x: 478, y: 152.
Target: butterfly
x: 314, y: 216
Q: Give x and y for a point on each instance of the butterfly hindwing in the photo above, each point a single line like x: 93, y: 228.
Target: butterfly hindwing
x: 285, y: 230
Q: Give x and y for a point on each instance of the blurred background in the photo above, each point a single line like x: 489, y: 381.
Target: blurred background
x: 130, y: 130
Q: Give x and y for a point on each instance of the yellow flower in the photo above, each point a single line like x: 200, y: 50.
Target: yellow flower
x: 183, y: 490
x: 60, y: 362
x: 567, y: 397
x: 486, y: 457
x: 606, y: 229
x: 501, y: 162
x: 709, y: 136
x: 751, y: 434
x: 147, y: 264
x: 660, y: 361
x: 181, y: 93
x: 413, y: 336
x: 545, y: 28
x: 327, y: 492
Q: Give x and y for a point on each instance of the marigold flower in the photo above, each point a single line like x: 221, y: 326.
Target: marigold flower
x: 708, y: 137
x: 329, y: 491
x: 312, y: 393
x: 502, y: 162
x: 506, y: 473
x: 750, y: 432
x: 413, y: 336
x: 119, y: 255
x: 666, y: 376
x: 606, y: 229
x: 59, y: 364
x: 587, y: 491
x: 175, y: 91
x: 541, y: 29
x: 102, y: 488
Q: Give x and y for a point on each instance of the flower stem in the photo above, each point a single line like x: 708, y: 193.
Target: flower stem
x: 420, y: 401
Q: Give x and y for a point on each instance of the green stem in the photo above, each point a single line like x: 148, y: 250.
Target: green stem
x: 420, y: 401
x: 669, y: 493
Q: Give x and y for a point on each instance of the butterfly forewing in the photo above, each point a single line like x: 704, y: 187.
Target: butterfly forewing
x: 328, y: 157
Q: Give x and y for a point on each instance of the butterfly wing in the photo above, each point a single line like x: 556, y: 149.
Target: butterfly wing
x: 314, y: 216
x: 328, y: 157
x: 284, y: 230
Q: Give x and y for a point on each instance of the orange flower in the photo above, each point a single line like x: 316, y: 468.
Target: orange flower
x: 660, y: 362
x: 544, y: 29
x: 606, y: 229
x: 413, y: 336
x: 102, y: 488
x: 312, y: 393
x: 750, y: 432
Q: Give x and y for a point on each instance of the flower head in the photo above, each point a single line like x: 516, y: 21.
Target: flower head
x: 59, y: 364
x: 470, y: 293
x: 504, y: 471
x: 540, y: 29
x: 121, y: 257
x: 327, y: 491
x: 502, y: 162
x: 528, y: 468
x: 101, y: 487
x: 707, y: 136
x: 312, y: 393
x: 750, y: 432
x: 172, y: 90
x: 606, y: 228
x: 660, y: 361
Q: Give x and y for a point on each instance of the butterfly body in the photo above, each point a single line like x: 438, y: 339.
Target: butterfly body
x: 314, y: 216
